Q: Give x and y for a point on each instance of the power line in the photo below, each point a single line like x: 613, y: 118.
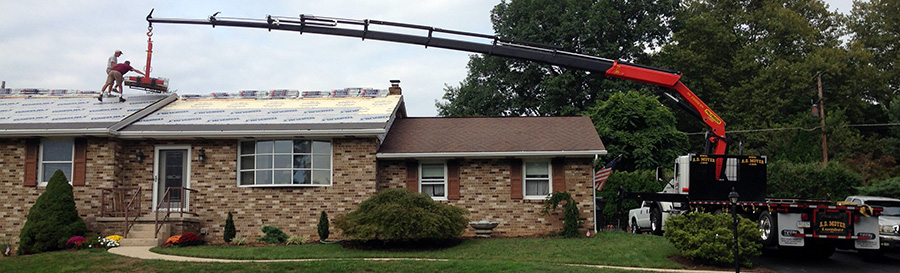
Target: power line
x: 802, y: 129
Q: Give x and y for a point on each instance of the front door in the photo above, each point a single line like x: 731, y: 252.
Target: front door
x: 171, y: 175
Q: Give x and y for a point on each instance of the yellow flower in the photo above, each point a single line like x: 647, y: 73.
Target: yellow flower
x: 115, y: 237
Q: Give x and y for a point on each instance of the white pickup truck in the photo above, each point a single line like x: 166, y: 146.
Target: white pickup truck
x: 646, y: 218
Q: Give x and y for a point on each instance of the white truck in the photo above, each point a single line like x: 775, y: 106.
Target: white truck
x: 816, y: 226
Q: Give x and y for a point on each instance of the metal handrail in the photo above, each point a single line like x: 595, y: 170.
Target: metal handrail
x: 126, y: 211
x: 167, y: 198
x: 134, y: 201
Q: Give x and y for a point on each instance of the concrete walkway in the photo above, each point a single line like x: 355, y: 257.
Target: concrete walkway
x: 143, y: 252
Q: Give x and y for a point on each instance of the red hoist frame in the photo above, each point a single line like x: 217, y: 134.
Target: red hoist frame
x: 146, y: 83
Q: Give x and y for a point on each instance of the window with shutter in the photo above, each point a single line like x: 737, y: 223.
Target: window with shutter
x: 55, y: 154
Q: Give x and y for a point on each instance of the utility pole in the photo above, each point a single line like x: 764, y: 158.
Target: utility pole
x: 822, y: 115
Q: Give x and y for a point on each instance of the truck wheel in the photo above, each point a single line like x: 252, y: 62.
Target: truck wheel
x: 656, y: 222
x: 634, y: 227
x: 767, y: 229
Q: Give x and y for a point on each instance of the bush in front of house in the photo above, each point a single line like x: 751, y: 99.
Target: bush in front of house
x: 572, y: 219
x: 709, y: 239
x: 403, y: 215
x: 230, y: 232
x: 52, y: 220
x: 189, y: 239
x: 274, y: 235
x: 323, y: 226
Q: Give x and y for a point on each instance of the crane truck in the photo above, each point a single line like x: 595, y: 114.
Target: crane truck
x: 701, y: 183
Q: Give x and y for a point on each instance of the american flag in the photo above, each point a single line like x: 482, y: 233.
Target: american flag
x: 603, y: 174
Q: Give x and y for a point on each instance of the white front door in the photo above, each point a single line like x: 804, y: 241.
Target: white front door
x: 171, y: 172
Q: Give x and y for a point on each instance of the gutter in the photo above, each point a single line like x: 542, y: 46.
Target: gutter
x: 587, y: 153
x: 248, y: 133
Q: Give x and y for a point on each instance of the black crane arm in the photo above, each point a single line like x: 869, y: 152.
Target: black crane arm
x: 496, y: 46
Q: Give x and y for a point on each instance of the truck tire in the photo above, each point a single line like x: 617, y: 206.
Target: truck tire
x: 768, y: 229
x: 634, y: 227
x: 656, y: 222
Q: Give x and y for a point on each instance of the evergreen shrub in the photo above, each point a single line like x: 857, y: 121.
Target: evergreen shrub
x: 572, y: 218
x: 888, y: 188
x: 709, y: 239
x: 811, y: 180
x: 323, y: 226
x: 398, y: 215
x: 230, y: 232
x: 52, y: 220
x: 273, y: 235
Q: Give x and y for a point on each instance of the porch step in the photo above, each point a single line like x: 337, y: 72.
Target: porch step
x: 139, y: 242
x: 143, y: 235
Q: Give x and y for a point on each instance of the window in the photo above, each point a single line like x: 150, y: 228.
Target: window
x: 537, y: 179
x: 433, y: 180
x: 55, y: 154
x: 284, y: 163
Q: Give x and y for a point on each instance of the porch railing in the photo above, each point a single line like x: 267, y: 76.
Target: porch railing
x: 113, y: 204
x: 181, y: 208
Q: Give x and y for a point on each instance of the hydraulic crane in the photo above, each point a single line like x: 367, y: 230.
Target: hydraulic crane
x: 496, y: 46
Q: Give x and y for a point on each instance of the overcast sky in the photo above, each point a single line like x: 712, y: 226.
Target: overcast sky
x: 62, y: 44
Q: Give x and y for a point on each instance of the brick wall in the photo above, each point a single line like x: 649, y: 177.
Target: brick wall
x: 485, y: 192
x: 16, y: 199
x: 294, y: 209
x: 484, y: 189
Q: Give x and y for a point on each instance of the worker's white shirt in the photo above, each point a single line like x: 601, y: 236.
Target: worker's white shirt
x: 111, y: 62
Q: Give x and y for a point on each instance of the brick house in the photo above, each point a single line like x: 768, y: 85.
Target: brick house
x: 280, y: 158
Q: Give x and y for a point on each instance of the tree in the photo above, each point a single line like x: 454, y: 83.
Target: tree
x: 640, y: 128
x: 617, y: 29
x: 876, y: 28
x: 52, y: 220
x: 755, y: 62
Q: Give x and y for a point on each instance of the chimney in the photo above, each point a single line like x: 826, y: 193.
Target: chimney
x: 395, y: 88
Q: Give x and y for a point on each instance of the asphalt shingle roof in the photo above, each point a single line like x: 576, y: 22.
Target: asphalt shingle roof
x: 493, y: 134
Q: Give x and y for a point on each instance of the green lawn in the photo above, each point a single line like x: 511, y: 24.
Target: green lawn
x: 101, y: 261
x: 607, y: 248
x: 477, y: 255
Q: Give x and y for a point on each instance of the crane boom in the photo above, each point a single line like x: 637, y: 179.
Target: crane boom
x: 497, y: 46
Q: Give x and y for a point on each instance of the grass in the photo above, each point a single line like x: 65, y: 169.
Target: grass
x: 477, y: 255
x: 101, y: 261
x: 607, y: 248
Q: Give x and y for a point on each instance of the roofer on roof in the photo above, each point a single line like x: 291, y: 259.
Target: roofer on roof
x: 112, y: 61
x: 115, y: 74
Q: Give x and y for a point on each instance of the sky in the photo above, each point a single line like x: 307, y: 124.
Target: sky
x: 63, y: 44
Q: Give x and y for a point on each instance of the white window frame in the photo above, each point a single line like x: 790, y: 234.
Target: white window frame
x: 525, y: 179
x: 312, y: 169
x: 442, y: 181
x: 44, y: 180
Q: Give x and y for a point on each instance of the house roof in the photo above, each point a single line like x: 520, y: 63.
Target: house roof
x: 275, y: 113
x: 212, y: 118
x: 492, y: 137
x: 77, y: 114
